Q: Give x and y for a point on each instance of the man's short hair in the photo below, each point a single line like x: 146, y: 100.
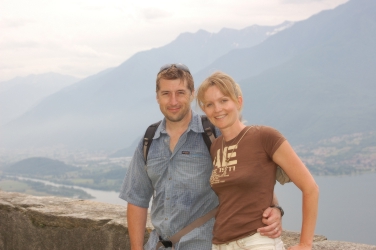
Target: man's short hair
x: 173, y: 73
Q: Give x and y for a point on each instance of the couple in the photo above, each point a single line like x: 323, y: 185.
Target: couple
x: 181, y: 174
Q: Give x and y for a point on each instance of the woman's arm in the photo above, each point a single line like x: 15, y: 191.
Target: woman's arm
x: 289, y: 161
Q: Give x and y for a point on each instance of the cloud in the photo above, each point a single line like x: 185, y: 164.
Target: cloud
x: 14, y: 22
x: 9, y: 45
x: 301, y: 1
x: 155, y: 13
x: 83, y: 37
x: 283, y: 27
x: 93, y: 7
x: 328, y: 3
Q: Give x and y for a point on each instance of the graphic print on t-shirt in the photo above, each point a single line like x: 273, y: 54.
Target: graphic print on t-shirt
x: 223, y: 167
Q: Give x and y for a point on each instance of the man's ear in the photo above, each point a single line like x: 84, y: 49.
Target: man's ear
x: 192, y: 97
x: 156, y: 97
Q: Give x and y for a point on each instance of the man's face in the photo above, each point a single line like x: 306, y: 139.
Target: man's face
x: 174, y: 99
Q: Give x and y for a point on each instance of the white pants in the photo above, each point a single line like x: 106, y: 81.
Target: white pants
x: 253, y: 242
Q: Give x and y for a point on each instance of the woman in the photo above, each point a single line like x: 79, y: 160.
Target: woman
x: 245, y: 159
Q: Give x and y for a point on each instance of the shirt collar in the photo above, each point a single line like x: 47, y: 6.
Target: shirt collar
x: 195, y: 125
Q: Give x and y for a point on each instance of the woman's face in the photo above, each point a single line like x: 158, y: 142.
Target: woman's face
x: 222, y: 111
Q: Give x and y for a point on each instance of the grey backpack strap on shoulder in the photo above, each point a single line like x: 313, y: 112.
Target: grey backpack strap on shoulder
x: 208, y: 135
x: 148, y: 138
x: 209, y: 131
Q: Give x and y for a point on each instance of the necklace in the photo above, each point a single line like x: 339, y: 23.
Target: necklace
x: 217, y: 173
x: 227, y: 159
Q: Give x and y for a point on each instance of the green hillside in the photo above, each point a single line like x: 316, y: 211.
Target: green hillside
x: 39, y: 166
x: 96, y: 176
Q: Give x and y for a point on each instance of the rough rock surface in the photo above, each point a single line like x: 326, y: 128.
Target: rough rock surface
x: 291, y: 238
x: 31, y: 222
x: 53, y: 223
x: 332, y: 245
x: 321, y: 243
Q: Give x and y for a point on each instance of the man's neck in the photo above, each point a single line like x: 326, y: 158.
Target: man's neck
x: 179, y: 127
x: 176, y: 129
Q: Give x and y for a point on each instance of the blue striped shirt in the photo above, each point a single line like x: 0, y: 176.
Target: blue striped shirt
x: 179, y: 182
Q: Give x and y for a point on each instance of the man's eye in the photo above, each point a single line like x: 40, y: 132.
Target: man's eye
x: 208, y: 105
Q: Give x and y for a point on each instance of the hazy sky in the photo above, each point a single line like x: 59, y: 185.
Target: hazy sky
x: 83, y: 37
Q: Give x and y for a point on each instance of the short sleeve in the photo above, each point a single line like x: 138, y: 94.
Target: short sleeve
x: 271, y: 139
x: 137, y: 188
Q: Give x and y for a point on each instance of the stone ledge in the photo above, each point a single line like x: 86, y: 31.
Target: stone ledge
x: 332, y: 245
x: 54, y: 223
x: 320, y: 242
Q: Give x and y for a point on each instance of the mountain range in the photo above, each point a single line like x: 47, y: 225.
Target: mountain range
x: 320, y: 84
x: 22, y: 93
x: 98, y: 111
x: 311, y: 80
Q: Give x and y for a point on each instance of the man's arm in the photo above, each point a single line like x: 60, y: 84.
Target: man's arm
x: 137, y: 190
x: 136, y: 217
x: 273, y: 219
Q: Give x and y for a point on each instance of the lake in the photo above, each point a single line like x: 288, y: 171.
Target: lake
x: 111, y: 197
x: 347, y: 207
x: 346, y: 210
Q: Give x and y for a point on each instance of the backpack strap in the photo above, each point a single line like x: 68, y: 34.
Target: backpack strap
x: 148, y: 137
x: 208, y: 135
x: 177, y: 236
x: 209, y: 131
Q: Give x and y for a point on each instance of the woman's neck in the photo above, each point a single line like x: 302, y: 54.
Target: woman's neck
x: 232, y: 131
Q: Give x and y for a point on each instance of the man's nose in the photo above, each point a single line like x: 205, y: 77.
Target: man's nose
x: 173, y: 99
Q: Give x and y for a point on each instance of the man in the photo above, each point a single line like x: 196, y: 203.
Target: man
x: 176, y: 174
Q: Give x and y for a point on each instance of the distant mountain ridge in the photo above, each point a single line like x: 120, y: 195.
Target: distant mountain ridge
x: 96, y: 110
x: 22, y: 93
x: 313, y: 80
x: 326, y: 27
x: 206, y: 47
x: 319, y: 85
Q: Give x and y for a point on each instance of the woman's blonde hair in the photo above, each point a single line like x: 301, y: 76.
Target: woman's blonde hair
x: 224, y: 83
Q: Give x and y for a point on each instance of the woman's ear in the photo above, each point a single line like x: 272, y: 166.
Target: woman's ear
x: 240, y: 102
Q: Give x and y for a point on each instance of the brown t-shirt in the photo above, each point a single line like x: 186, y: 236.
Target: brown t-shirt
x: 245, y: 186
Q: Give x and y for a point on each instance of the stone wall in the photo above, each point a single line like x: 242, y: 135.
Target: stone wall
x: 53, y: 223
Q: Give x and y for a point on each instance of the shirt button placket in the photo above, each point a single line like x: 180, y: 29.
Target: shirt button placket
x: 168, y: 195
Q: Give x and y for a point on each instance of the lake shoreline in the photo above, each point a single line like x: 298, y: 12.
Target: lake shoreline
x: 344, y: 203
